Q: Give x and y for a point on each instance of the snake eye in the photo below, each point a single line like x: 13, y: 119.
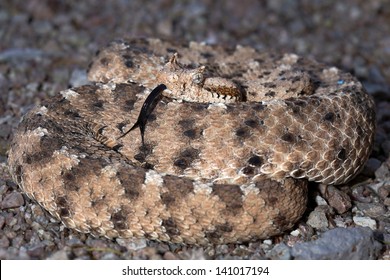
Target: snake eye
x: 198, y: 77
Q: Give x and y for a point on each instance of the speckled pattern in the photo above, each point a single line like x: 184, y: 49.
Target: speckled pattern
x: 209, y: 172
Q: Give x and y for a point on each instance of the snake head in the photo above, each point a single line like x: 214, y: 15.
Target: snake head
x: 195, y: 85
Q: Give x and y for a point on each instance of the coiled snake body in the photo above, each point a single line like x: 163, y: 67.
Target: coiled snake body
x: 228, y: 148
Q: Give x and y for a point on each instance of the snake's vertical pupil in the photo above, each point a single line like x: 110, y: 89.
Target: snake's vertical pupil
x: 198, y: 77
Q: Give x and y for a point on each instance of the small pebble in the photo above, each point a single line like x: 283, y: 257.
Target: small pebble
x: 12, y: 200
x: 265, y: 246
x: 339, y: 244
x: 222, y: 249
x: 10, y: 234
x: 383, y: 172
x: 365, y: 222
x: 35, y: 226
x: 384, y: 191
x: 59, y: 255
x: 372, y: 210
x: 317, y: 218
x: 267, y: 241
x: 362, y: 194
x: 95, y: 242
x: 169, y: 256
x: 4, y: 242
x: 132, y: 244
x: 39, y: 215
x: 148, y: 253
x: 280, y: 252
x: 36, y: 251
x: 336, y: 198
x: 17, y: 241
x: 73, y: 241
x: 340, y: 222
x: 3, y: 189
x: 320, y: 200
x: 4, y: 254
x: 376, y: 186
x: 110, y: 256
x: 79, y: 251
x: 295, y: 233
x: 306, y: 231
x: 11, y: 222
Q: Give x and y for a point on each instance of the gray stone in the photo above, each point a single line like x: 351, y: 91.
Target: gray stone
x: 59, y: 255
x: 320, y: 201
x: 3, y: 189
x: 132, y: 244
x: 317, y: 218
x: 18, y: 241
x: 79, y: 251
x: 110, y: 256
x: 383, y: 172
x: 362, y: 194
x: 280, y: 252
x: 11, y: 221
x: 73, y: 242
x: 340, y: 244
x: 4, y: 254
x: 337, y: 199
x: 4, y: 242
x: 36, y: 251
x: 372, y: 210
x: 384, y: 191
x: 12, y: 200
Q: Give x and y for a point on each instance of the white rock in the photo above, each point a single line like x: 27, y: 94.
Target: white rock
x: 365, y: 222
x: 320, y: 200
x: 295, y: 233
x: 267, y: 241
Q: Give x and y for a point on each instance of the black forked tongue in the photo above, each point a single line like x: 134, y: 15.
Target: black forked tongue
x: 147, y: 108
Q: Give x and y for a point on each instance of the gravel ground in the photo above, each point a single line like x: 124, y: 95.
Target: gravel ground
x: 45, y: 47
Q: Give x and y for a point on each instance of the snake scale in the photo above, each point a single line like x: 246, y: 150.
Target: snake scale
x: 229, y: 144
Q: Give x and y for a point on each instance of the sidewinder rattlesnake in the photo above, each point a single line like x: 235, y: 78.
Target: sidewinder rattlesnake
x: 229, y: 145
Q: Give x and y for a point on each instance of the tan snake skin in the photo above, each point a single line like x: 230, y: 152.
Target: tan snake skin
x: 228, y: 150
